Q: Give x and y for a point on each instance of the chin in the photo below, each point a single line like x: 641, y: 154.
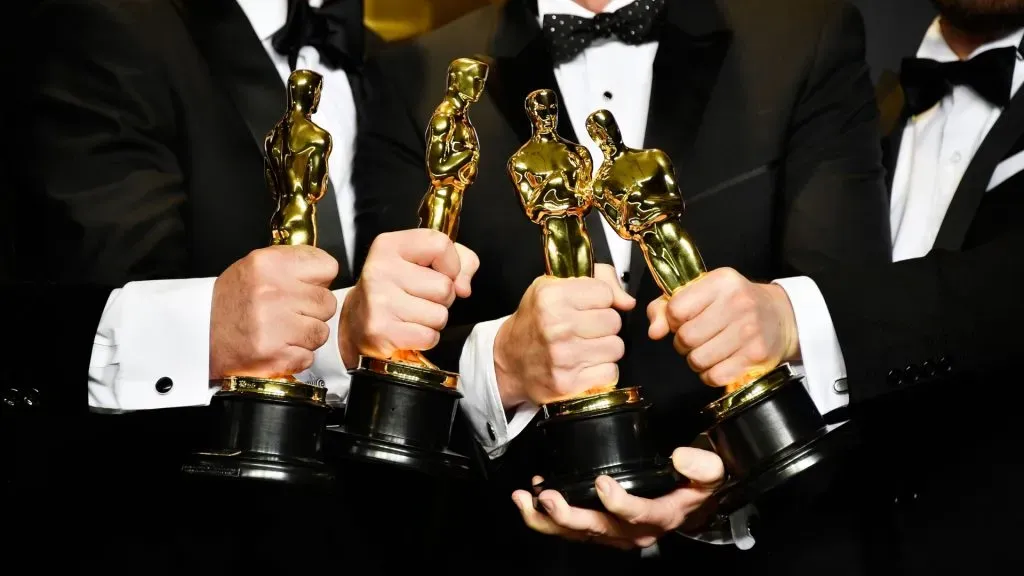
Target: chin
x: 982, y: 16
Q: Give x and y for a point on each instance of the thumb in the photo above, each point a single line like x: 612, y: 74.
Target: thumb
x: 702, y: 467
x: 469, y: 263
x: 657, y: 313
x: 621, y: 300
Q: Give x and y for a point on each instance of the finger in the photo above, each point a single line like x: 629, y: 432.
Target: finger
x: 589, y: 522
x: 647, y: 517
x: 418, y: 311
x: 703, y: 468
x: 597, y: 323
x: 308, y: 264
x: 733, y: 372
x: 424, y: 283
x: 691, y: 300
x: 621, y: 300
x: 603, y: 376
x: 537, y: 480
x: 706, y: 325
x: 315, y: 302
x: 469, y: 264
x: 305, y: 332
x: 293, y: 360
x: 709, y: 354
x: 604, y: 350
x: 586, y: 293
x: 538, y: 521
x: 429, y: 248
x: 410, y: 336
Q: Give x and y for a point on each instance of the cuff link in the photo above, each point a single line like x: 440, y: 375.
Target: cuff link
x: 164, y: 385
x: 491, y: 432
x: 840, y: 386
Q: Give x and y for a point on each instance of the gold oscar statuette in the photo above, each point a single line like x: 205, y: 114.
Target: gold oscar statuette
x: 296, y: 152
x: 452, y: 157
x: 638, y: 194
x: 400, y: 409
x: 270, y: 426
x: 553, y: 178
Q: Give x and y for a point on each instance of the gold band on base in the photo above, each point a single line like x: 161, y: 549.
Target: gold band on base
x: 739, y: 399
x: 592, y: 403
x: 280, y: 388
x: 409, y: 372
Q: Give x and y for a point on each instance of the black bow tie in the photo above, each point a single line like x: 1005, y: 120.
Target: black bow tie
x: 990, y: 74
x: 335, y: 30
x: 569, y: 35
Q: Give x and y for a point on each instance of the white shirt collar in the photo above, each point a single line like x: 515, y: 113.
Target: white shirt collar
x: 545, y: 7
x: 934, y: 46
x: 268, y: 16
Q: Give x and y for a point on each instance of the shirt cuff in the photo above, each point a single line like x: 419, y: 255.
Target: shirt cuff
x: 481, y: 402
x: 822, y: 361
x: 152, y: 347
x: 733, y: 530
x: 328, y: 367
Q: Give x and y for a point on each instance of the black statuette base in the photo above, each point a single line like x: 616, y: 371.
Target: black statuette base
x: 769, y: 441
x: 577, y: 448
x: 266, y: 439
x: 397, y: 422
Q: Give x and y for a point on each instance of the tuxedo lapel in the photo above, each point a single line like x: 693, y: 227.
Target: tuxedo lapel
x: 239, y: 63
x: 522, y: 64
x: 691, y: 47
x: 893, y: 119
x: 996, y: 147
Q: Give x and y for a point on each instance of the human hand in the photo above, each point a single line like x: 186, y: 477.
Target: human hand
x: 270, y: 311
x: 630, y: 521
x: 562, y: 340
x: 401, y: 299
x: 730, y: 329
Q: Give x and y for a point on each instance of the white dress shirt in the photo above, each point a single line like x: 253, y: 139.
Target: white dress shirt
x: 156, y: 329
x: 936, y: 148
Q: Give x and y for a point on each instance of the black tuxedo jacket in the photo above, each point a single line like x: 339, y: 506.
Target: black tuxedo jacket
x: 930, y: 346
x: 768, y: 115
x: 142, y: 159
x: 146, y: 141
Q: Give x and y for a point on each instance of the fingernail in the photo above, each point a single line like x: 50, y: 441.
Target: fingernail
x: 604, y: 485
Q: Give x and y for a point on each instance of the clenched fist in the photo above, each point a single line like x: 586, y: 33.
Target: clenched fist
x: 401, y: 300
x: 270, y: 312
x: 562, y: 340
x: 730, y: 329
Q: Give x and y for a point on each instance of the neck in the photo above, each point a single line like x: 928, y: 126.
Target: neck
x: 595, y: 6
x: 964, y: 43
x: 455, y: 99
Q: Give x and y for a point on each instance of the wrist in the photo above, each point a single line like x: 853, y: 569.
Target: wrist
x: 509, y: 389
x: 787, y: 322
x: 346, y: 343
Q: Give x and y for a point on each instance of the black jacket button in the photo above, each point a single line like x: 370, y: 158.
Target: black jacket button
x: 164, y: 385
x: 895, y: 378
x: 944, y: 365
x: 31, y: 398
x: 913, y: 374
x: 928, y: 369
x: 11, y: 397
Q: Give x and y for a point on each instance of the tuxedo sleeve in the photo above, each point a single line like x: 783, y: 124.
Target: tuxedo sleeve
x: 914, y: 322
x: 835, y: 206
x: 101, y: 127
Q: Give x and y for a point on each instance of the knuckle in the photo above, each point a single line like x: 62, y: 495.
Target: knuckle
x: 562, y: 355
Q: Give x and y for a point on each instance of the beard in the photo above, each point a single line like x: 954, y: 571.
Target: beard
x: 982, y: 16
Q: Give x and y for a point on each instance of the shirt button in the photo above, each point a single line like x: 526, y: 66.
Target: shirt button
x: 491, y: 432
x: 164, y: 385
x: 955, y: 158
x: 607, y: 95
